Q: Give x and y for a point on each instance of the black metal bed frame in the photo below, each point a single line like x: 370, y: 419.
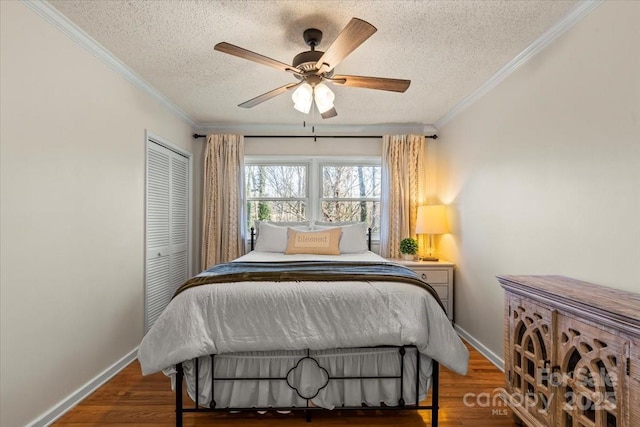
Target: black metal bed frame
x: 308, y: 408
x: 435, y: 379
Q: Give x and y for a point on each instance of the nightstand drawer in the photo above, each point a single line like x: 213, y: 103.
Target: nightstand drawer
x: 442, y: 290
x: 439, y: 274
x: 433, y: 276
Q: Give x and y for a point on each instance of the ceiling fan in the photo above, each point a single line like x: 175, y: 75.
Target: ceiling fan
x: 313, y: 67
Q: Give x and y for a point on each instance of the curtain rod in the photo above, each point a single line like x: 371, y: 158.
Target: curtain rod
x: 195, y: 135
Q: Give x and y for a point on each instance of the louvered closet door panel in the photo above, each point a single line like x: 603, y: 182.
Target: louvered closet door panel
x: 179, y: 220
x: 167, y: 228
x: 179, y: 271
x: 158, y: 180
x: 179, y: 199
x: 158, y: 296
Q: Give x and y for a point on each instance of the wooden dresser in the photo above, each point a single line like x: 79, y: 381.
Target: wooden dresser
x: 571, y: 352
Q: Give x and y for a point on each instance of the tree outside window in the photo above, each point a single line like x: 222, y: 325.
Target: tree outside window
x: 351, y: 193
x: 276, y: 192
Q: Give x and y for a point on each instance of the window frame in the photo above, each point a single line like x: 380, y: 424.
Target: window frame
x: 272, y: 161
x: 313, y: 183
x: 347, y: 162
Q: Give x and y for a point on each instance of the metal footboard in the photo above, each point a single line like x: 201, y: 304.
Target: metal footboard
x: 308, y: 407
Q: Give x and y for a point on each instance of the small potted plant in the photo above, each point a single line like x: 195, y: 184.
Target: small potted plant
x: 408, y: 248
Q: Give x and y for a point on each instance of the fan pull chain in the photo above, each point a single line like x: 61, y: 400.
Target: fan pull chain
x: 313, y: 120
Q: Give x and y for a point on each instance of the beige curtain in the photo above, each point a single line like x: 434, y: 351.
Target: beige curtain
x: 402, y: 171
x: 222, y: 234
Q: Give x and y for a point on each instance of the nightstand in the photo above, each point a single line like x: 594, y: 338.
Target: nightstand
x: 439, y: 274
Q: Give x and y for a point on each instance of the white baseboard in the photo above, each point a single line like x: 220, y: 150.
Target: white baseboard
x: 493, y: 358
x: 77, y: 396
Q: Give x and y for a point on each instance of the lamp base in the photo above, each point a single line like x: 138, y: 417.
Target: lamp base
x: 428, y: 258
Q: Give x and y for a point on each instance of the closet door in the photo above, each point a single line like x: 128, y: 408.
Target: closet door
x: 167, y: 228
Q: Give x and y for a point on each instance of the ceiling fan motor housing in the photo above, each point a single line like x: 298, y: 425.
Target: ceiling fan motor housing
x: 306, y: 61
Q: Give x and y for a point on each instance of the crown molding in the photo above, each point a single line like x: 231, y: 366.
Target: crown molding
x: 62, y: 23
x: 66, y: 26
x: 577, y: 13
x: 319, y: 129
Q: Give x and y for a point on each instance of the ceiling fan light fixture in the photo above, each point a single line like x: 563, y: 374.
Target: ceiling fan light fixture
x: 302, y: 98
x: 314, y: 66
x: 324, y: 97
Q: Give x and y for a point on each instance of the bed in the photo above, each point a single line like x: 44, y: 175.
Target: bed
x: 274, y: 330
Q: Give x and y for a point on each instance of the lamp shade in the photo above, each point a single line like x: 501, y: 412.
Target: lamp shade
x: 324, y: 97
x: 432, y: 219
x: 302, y: 98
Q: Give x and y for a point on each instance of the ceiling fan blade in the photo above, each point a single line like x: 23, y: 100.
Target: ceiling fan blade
x: 329, y: 113
x: 352, y: 36
x: 267, y: 96
x: 380, y: 83
x: 255, y: 57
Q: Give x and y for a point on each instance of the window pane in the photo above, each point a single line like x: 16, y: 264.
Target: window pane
x: 291, y: 210
x: 350, y: 181
x: 274, y: 181
x: 368, y: 212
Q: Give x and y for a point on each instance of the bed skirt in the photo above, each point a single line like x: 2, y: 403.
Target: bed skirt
x: 358, y: 378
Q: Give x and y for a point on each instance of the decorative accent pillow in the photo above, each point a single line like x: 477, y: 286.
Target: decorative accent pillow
x: 273, y: 238
x: 324, y: 242
x: 354, y: 237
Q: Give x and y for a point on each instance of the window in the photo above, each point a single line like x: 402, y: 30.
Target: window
x: 350, y: 193
x: 335, y: 190
x: 276, y: 192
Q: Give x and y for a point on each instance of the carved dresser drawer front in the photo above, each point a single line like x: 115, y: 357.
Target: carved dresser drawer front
x: 571, y: 352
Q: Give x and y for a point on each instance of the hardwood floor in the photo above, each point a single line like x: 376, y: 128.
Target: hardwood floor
x: 129, y: 399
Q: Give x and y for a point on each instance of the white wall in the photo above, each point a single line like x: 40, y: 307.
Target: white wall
x: 543, y: 173
x: 72, y: 213
x: 309, y: 147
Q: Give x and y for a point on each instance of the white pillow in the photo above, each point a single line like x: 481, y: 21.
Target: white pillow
x: 273, y: 238
x: 294, y: 224
x: 354, y: 236
x: 335, y: 224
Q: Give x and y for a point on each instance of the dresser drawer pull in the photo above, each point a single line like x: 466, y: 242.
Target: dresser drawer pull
x: 434, y: 276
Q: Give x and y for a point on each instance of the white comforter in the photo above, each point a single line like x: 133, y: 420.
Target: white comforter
x: 261, y: 316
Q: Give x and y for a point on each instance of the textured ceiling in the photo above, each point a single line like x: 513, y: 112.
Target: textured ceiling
x: 448, y: 49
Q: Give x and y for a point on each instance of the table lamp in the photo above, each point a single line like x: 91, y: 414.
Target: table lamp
x: 431, y: 219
